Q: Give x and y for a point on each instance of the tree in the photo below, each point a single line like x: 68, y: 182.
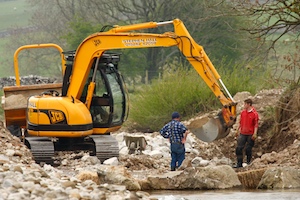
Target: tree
x: 80, y: 29
x: 275, y: 24
x: 209, y: 22
x: 270, y: 17
x: 204, y: 19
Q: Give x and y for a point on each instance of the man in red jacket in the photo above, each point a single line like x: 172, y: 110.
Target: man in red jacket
x: 246, y: 132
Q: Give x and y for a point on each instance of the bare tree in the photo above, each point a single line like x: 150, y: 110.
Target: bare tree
x: 206, y: 20
x: 267, y: 17
x: 276, y: 23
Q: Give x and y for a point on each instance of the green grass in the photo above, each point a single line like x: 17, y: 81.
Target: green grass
x: 185, y: 91
x: 3, y: 67
x: 14, y: 13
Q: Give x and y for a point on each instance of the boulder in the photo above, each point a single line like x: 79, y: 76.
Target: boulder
x: 111, y: 161
x: 117, y: 175
x: 210, y: 177
x: 88, y: 175
x: 280, y: 178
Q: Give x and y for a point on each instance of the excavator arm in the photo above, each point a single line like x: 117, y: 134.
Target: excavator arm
x: 92, y: 101
x: 123, y: 37
x: 119, y: 38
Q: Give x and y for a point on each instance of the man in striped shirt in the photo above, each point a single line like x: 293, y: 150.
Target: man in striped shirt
x: 176, y: 132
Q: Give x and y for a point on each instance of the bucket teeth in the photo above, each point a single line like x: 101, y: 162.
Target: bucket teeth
x: 209, y: 129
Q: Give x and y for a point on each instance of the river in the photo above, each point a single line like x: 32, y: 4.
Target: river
x: 289, y: 194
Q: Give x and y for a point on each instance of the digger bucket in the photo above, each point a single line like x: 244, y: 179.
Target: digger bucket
x: 209, y: 129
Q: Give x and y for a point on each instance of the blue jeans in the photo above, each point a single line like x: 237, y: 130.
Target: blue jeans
x: 177, y: 155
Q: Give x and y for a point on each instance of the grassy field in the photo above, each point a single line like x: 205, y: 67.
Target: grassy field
x: 3, y: 68
x: 14, y: 13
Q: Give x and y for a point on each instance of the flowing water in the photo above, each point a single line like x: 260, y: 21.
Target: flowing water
x: 287, y: 194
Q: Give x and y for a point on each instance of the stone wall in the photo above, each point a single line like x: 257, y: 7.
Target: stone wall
x: 26, y: 80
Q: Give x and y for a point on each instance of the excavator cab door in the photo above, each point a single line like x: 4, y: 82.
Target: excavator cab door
x: 109, y: 106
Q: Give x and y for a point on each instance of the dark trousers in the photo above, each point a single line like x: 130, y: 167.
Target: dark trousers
x: 177, y: 155
x: 242, y: 141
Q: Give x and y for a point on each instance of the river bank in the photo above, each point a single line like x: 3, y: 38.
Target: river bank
x: 207, y: 168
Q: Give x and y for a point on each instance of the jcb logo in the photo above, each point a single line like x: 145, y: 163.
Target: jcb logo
x: 56, y: 116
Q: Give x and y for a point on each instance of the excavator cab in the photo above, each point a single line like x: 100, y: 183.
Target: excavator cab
x: 109, y: 102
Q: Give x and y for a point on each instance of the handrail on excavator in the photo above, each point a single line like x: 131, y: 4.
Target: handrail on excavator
x: 35, y: 46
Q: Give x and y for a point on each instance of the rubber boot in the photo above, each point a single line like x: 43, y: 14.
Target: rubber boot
x: 239, y: 163
x: 248, y: 160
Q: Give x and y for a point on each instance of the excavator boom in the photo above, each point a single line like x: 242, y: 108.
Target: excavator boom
x: 92, y: 101
x: 120, y: 37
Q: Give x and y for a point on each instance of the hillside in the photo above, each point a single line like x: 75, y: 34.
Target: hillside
x: 269, y: 141
x: 13, y: 13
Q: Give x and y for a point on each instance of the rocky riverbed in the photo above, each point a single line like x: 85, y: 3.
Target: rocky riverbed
x: 78, y: 175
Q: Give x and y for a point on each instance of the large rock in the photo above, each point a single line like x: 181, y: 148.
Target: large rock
x: 117, y: 175
x: 210, y: 177
x: 280, y: 178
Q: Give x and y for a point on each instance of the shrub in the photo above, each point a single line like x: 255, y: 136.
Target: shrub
x: 185, y: 92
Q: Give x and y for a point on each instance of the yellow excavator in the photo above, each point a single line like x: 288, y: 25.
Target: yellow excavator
x: 92, y: 101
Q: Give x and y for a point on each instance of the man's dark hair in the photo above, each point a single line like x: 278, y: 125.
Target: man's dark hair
x: 248, y: 101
